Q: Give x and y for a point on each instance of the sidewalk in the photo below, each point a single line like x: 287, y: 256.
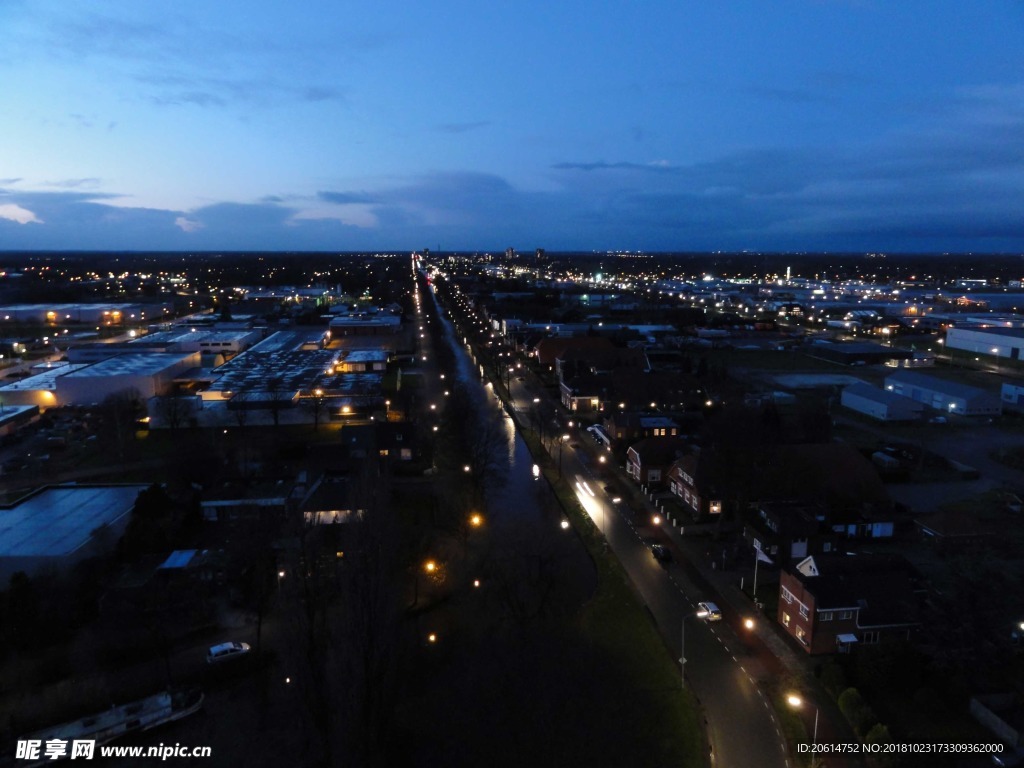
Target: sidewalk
x: 833, y: 726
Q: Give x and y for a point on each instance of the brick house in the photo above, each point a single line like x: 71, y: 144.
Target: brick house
x: 649, y: 460
x: 790, y: 530
x: 831, y: 603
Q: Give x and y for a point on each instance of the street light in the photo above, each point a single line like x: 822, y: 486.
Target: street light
x: 796, y: 703
x: 682, y: 644
x: 561, y: 442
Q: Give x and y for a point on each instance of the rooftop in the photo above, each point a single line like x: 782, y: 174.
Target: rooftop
x: 133, y: 364
x: 59, y: 519
x: 45, y: 380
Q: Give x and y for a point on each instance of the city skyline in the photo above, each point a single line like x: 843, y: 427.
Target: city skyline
x: 812, y: 126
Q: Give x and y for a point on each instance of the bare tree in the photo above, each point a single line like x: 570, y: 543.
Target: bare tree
x: 239, y: 407
x: 472, y: 449
x: 278, y: 397
x: 315, y: 401
x: 120, y: 411
x: 174, y: 410
x: 345, y: 624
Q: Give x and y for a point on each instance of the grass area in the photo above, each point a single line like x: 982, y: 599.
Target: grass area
x: 615, y: 620
x: 767, y: 360
x: 791, y: 721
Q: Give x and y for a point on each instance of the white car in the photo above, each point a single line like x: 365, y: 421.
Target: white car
x: 712, y: 612
x: 225, y: 651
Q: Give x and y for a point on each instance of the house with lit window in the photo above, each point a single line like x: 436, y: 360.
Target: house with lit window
x: 834, y: 603
x: 649, y: 460
x: 696, y: 481
x: 634, y: 426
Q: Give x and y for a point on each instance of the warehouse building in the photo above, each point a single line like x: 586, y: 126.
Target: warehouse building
x: 38, y: 389
x: 55, y: 527
x: 946, y: 396
x: 1000, y: 343
x: 880, y: 404
x: 147, y: 374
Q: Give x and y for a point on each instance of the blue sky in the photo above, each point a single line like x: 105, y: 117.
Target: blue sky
x: 738, y: 124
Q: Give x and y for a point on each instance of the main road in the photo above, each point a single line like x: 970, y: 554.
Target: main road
x: 721, y: 668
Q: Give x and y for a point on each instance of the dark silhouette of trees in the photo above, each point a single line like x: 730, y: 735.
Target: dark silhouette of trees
x: 119, y: 412
x: 277, y: 398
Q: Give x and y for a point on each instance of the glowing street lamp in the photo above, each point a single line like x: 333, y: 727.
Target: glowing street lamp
x: 796, y: 703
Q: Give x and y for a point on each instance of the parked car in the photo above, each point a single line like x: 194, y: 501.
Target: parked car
x: 712, y: 611
x: 225, y: 651
x: 661, y: 553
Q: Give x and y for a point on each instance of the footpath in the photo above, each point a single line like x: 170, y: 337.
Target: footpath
x: 703, y: 558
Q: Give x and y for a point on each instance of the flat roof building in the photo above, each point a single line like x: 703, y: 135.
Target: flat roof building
x: 56, y: 526
x: 1005, y: 343
x: 39, y: 389
x: 946, y: 396
x: 150, y: 374
x: 880, y: 404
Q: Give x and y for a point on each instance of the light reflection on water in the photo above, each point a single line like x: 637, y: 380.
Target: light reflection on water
x: 513, y: 500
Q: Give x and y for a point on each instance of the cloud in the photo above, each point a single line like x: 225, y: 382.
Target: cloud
x: 463, y: 127
x: 16, y: 213
x: 955, y: 183
x: 90, y: 181
x: 216, y: 92
x: 346, y: 198
x: 601, y: 165
x: 195, y: 98
x: 7, y: 182
x: 187, y: 225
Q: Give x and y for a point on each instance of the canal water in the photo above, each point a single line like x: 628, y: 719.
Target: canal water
x: 522, y: 508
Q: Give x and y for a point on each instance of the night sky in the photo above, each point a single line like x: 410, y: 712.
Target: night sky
x: 736, y: 124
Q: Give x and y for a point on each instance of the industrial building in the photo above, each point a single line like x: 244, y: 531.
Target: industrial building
x: 39, y: 389
x: 91, y: 314
x: 1013, y: 395
x: 856, y: 352
x: 147, y: 374
x: 880, y: 404
x: 946, y: 396
x: 1005, y: 343
x: 54, y: 527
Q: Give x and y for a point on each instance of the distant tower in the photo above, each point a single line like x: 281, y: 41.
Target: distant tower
x: 789, y: 274
x: 538, y: 255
